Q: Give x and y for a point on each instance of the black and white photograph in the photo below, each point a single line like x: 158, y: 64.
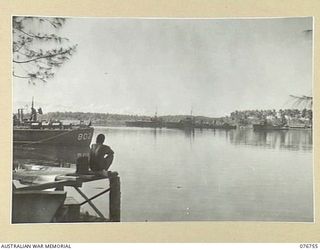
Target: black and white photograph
x: 162, y: 119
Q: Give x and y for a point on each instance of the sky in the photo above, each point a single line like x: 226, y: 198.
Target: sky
x: 210, y: 66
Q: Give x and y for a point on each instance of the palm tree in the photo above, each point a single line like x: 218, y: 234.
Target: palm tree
x: 306, y: 101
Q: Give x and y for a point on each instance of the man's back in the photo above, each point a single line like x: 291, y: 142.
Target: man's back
x: 97, y: 156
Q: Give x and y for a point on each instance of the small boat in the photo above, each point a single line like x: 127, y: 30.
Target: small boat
x: 34, y: 132
x: 304, y: 127
x: 299, y: 125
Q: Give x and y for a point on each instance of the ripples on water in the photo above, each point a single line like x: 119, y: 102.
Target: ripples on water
x: 177, y: 175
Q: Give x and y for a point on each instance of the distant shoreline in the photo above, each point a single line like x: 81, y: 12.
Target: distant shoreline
x: 241, y: 118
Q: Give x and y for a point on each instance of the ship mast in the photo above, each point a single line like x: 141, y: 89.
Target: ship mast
x: 33, y: 111
x: 32, y: 104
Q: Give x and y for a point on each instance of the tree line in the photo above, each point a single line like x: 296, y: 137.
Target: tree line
x: 283, y: 115
x: 244, y: 117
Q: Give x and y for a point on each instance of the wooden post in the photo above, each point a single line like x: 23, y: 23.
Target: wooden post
x: 114, y: 197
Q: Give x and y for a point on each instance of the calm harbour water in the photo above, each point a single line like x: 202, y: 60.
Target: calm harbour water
x: 214, y: 175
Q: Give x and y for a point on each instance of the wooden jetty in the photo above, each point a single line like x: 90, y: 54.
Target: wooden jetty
x: 48, y: 202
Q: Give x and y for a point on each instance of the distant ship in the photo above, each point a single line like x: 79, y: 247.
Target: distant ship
x: 154, y: 122
x: 257, y: 127
x: 34, y: 132
x: 223, y: 126
x: 190, y: 123
x: 186, y: 123
x: 213, y: 125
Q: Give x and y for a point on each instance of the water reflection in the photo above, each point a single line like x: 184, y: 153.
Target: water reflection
x: 284, y: 139
x: 203, y: 174
x: 281, y: 139
x: 51, y: 154
x: 189, y: 133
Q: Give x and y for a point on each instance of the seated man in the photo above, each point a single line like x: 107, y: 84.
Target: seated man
x: 100, y: 157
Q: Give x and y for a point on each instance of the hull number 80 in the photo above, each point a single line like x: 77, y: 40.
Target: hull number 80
x: 84, y: 136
